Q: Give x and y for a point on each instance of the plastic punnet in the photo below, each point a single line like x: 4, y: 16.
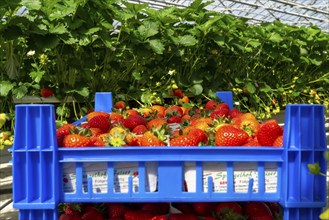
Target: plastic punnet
x: 42, y: 171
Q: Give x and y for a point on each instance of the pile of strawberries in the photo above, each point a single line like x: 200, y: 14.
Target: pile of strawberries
x: 172, y: 211
x: 215, y: 124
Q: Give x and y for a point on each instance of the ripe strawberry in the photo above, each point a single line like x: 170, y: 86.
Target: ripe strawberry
x: 139, y: 129
x: 119, y: 105
x: 252, y: 142
x: 138, y: 215
x: 158, y: 208
x: 150, y: 139
x: 182, y: 216
x: 158, y: 110
x: 204, y: 208
x: 278, y: 141
x: 228, y: 135
x: 93, y: 114
x: 62, y: 131
x: 101, y: 122
x: 268, y: 132
x: 247, y: 122
x: 201, y: 135
x: 222, y: 106
x: 65, y: 216
x: 178, y: 93
x: 211, y: 105
x: 92, y: 213
x: 224, y: 207
x: 184, y: 140
x: 156, y: 122
x: 45, y: 93
x: 159, y: 217
x: 130, y: 112
x: 146, y: 112
x: 174, y: 119
x: 174, y: 110
x: 221, y: 113
x: 75, y: 140
x: 96, y: 142
x: 132, y: 121
x: 257, y: 210
x: 72, y: 209
x: 116, y: 118
x: 234, y: 112
x: 116, y: 210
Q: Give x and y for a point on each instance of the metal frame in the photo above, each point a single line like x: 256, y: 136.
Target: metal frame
x: 291, y: 12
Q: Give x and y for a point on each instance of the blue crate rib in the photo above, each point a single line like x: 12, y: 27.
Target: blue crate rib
x: 38, y: 166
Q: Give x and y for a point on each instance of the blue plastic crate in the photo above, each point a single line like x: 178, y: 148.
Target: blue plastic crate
x: 38, y: 166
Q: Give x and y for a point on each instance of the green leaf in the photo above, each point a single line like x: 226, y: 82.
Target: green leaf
x: 37, y: 75
x: 266, y: 88
x: 250, y: 88
x: 276, y: 38
x: 186, y: 40
x: 6, y: 87
x: 20, y: 92
x: 32, y: 4
x: 148, y: 29
x: 58, y: 29
x: 83, y: 92
x: 137, y: 75
x: 146, y: 98
x: 196, y: 89
x: 157, y: 46
x: 92, y: 30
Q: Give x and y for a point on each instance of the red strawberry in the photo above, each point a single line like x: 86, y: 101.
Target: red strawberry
x: 224, y: 207
x: 75, y: 140
x: 72, y: 209
x: 120, y: 105
x: 92, y: 213
x: 178, y: 93
x: 158, y: 208
x: 268, y: 132
x: 155, y: 123
x: 182, y: 216
x: 159, y: 217
x: 116, y: 117
x: 150, y: 139
x: 184, y: 140
x: 65, y: 216
x: 221, y: 113
x: 184, y: 99
x: 138, y: 215
x: 62, y: 131
x: 45, y: 93
x: 174, y: 119
x: 130, y: 112
x: 139, y: 129
x: 211, y: 105
x: 174, y: 110
x: 278, y: 141
x: 204, y: 208
x: 159, y: 110
x: 257, y: 211
x: 234, y: 112
x: 199, y: 134
x: 96, y: 141
x: 116, y: 210
x: 93, y: 114
x: 132, y: 121
x: 252, y: 142
x: 228, y: 135
x: 222, y: 106
x: 101, y: 122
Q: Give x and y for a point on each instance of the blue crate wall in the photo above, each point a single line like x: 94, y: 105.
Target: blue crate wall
x: 38, y: 166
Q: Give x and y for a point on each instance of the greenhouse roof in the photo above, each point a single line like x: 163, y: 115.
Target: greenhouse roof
x: 291, y: 12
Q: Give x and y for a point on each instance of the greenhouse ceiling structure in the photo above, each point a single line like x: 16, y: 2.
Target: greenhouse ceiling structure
x: 291, y: 12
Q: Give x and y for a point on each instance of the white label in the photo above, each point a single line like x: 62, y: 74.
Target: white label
x: 243, y: 172
x: 98, y: 172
